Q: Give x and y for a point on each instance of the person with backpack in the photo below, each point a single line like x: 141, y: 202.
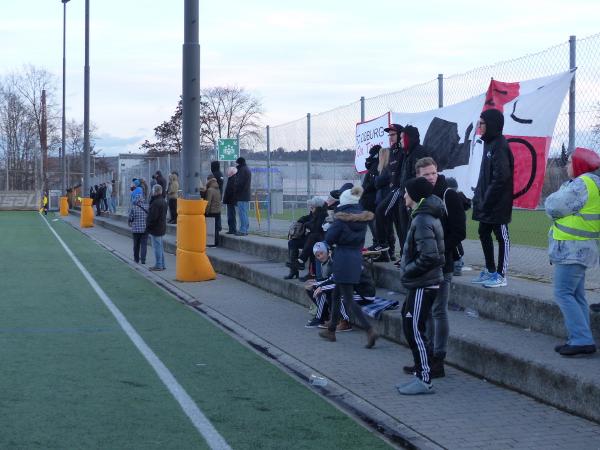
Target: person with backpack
x: 137, y: 223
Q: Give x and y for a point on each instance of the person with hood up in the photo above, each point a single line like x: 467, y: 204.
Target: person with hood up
x: 573, y: 247
x: 243, y: 194
x: 421, y: 267
x: 392, y: 211
x: 213, y: 209
x: 347, y: 233
x: 367, y: 200
x: 229, y: 199
x: 215, y: 169
x: 172, y: 191
x: 493, y: 198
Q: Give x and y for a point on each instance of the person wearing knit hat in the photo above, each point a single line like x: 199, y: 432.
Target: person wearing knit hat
x: 314, y: 233
x: 421, y: 266
x: 573, y: 247
x: 347, y: 233
x: 493, y: 198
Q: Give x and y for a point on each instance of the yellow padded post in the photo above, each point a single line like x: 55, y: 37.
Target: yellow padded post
x: 192, y: 263
x: 64, y: 206
x: 87, y: 213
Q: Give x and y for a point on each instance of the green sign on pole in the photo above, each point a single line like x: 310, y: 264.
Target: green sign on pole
x: 228, y: 150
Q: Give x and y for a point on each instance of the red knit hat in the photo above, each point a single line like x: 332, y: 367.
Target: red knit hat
x: 584, y: 160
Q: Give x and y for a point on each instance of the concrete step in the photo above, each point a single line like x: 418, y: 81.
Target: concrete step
x: 516, y: 357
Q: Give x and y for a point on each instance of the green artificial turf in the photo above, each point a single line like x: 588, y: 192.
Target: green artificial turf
x: 75, y: 381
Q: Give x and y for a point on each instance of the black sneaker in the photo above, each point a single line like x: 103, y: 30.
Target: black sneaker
x: 574, y: 350
x: 313, y: 323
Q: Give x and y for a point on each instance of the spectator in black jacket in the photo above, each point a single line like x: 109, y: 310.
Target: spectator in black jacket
x: 422, y: 262
x: 454, y: 223
x: 163, y: 183
x: 367, y: 200
x: 493, y: 198
x: 215, y: 169
x: 314, y: 234
x: 229, y: 199
x: 242, y: 193
x: 156, y: 225
x: 406, y: 149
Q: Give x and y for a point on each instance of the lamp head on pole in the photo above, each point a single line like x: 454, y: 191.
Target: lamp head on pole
x: 64, y: 1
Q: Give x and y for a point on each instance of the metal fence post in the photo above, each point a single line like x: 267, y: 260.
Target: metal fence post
x: 268, y: 181
x: 440, y: 90
x: 362, y: 109
x: 572, y: 66
x: 308, y: 160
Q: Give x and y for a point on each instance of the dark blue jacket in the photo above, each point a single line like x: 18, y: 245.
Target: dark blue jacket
x: 347, y: 233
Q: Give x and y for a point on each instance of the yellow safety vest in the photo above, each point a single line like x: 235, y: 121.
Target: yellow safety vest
x: 585, y: 224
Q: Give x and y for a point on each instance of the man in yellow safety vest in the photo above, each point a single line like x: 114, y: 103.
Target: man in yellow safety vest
x: 573, y: 247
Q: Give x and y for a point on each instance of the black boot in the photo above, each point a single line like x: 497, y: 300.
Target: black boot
x: 293, y: 265
x: 437, y: 366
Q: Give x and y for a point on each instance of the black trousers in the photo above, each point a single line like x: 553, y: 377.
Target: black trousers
x: 487, y: 245
x: 140, y: 246
x: 173, y: 209
x: 415, y: 312
x: 392, y: 213
x: 345, y: 292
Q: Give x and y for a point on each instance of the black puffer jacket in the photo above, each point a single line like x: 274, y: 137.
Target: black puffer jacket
x: 411, y: 151
x: 347, y: 233
x: 493, y: 197
x: 423, y: 254
x: 367, y: 200
x: 454, y: 219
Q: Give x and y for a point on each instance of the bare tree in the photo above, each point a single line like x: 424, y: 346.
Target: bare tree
x: 230, y: 112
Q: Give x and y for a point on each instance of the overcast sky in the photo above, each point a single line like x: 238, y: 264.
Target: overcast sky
x: 297, y: 57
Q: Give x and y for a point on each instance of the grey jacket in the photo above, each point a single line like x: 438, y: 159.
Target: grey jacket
x: 568, y: 200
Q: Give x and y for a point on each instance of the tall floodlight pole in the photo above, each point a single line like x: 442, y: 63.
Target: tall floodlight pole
x: 63, y: 158
x: 86, y: 105
x: 191, y: 102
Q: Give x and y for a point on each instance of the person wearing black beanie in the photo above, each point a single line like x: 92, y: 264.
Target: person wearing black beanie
x: 421, y: 267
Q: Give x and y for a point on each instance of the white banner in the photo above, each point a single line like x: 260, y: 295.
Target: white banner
x: 368, y: 134
x: 530, y: 111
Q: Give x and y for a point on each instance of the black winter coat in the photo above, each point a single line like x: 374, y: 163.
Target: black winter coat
x: 423, y: 253
x: 163, y: 183
x: 347, y: 233
x: 454, y: 219
x: 404, y: 169
x: 230, y: 198
x: 493, y: 197
x: 156, y: 222
x: 242, y: 183
x: 367, y: 200
x: 317, y: 219
x: 382, y: 183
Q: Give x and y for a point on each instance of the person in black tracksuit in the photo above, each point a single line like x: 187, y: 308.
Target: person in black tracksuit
x: 493, y: 198
x: 392, y: 210
x: 421, y: 266
x: 454, y: 224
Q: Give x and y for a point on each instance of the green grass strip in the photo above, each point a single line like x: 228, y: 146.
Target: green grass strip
x: 104, y: 394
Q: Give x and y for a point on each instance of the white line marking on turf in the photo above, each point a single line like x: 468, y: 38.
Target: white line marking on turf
x: 202, y: 424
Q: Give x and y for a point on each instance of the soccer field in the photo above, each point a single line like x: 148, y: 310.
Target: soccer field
x: 72, y: 376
